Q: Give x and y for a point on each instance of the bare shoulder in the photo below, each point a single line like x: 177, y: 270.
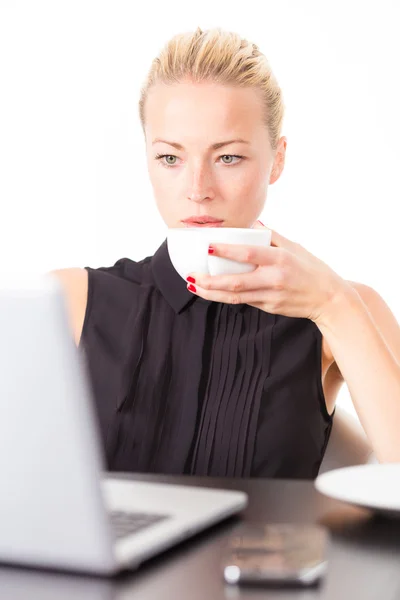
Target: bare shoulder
x: 372, y: 299
x: 74, y: 281
x: 381, y: 315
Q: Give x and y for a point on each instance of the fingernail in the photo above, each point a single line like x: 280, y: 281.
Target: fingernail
x: 211, y: 250
x: 190, y: 279
x: 191, y: 288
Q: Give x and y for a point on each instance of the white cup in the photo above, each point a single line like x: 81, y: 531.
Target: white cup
x: 188, y: 248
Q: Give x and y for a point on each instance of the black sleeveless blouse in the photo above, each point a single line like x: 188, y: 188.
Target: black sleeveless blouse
x: 183, y: 385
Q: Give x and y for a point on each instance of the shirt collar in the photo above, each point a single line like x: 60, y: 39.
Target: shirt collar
x: 173, y: 287
x: 169, y: 282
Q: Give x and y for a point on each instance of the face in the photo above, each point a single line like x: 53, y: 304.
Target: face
x: 196, y: 175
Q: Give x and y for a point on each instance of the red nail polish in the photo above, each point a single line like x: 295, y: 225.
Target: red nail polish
x: 190, y: 279
x: 191, y: 288
x: 211, y: 250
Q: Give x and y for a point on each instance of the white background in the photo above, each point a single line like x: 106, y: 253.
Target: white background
x: 74, y: 187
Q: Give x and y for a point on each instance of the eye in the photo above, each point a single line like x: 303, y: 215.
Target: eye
x: 167, y: 164
x: 230, y: 156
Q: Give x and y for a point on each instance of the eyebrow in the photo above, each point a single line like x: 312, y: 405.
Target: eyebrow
x: 212, y: 147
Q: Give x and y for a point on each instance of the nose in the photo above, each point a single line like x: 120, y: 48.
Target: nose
x: 200, y: 188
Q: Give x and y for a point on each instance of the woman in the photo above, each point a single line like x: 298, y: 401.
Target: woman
x: 231, y: 375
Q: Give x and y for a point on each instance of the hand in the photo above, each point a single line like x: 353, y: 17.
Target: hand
x: 288, y: 280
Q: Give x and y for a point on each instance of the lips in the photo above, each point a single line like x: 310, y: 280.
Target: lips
x: 214, y: 224
x: 204, y: 221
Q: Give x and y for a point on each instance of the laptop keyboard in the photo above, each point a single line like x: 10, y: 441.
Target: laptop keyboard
x: 126, y: 523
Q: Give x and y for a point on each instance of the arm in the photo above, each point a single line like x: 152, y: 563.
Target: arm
x: 361, y: 332
x: 74, y: 282
x: 364, y: 338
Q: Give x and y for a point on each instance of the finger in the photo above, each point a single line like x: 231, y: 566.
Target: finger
x: 259, y: 225
x: 255, y: 255
x: 227, y: 297
x: 265, y: 278
x: 277, y: 239
x: 280, y: 241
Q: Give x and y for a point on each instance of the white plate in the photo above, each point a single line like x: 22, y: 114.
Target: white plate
x: 376, y: 487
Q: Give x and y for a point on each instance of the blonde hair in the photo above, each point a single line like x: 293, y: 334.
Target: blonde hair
x: 218, y: 56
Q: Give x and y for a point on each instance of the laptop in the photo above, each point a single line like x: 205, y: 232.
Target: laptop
x: 59, y: 508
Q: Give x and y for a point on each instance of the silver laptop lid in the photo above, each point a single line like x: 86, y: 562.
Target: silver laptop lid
x: 51, y: 507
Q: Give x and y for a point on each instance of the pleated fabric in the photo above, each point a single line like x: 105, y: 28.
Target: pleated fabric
x: 182, y: 385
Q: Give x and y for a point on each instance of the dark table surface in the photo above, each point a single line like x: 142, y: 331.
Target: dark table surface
x: 363, y: 553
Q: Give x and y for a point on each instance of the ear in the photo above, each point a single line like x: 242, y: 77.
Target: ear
x: 279, y: 161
